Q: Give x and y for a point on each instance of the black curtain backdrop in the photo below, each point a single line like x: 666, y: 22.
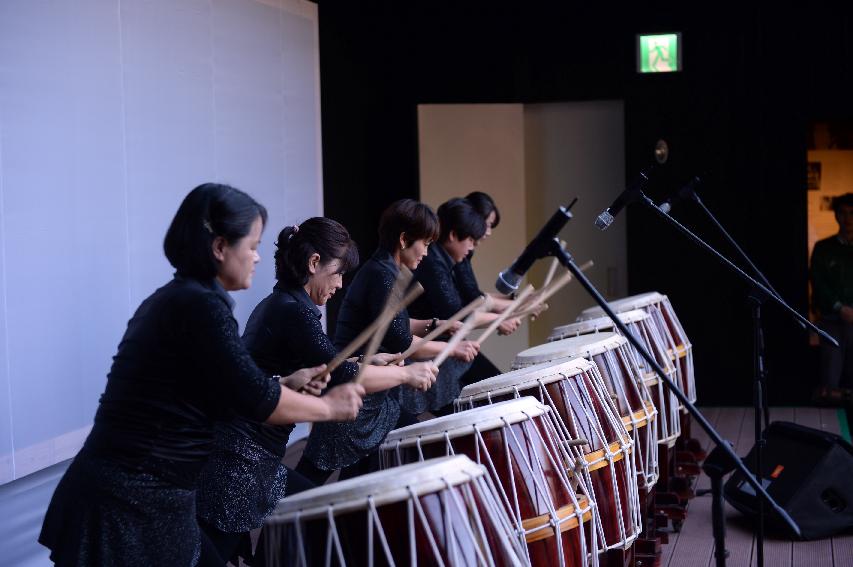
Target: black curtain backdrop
x: 738, y: 115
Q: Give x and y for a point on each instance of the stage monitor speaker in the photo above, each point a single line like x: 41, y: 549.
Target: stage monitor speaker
x: 808, y: 472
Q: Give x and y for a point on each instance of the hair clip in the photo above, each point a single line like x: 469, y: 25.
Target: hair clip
x: 207, y: 226
x: 294, y: 231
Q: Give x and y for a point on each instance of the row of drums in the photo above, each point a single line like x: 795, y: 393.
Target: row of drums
x: 552, y: 463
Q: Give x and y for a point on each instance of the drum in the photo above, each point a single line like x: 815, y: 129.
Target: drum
x: 599, y: 445
x: 640, y: 325
x: 623, y: 379
x: 439, y: 512
x: 663, y: 316
x: 527, y: 460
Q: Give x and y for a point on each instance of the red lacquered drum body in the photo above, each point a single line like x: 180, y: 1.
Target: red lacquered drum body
x: 641, y: 326
x: 663, y: 316
x: 440, y: 511
x: 599, y: 446
x: 625, y: 383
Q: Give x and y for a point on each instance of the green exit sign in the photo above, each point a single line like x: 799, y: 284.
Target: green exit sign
x: 659, y: 53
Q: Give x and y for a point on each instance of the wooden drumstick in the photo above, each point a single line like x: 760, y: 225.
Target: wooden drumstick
x: 389, y: 315
x: 403, y: 279
x: 543, y: 294
x: 552, y: 269
x: 535, y: 310
x: 456, y: 339
x: 485, y: 302
x: 506, y: 314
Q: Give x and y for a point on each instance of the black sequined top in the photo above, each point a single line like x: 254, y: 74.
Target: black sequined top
x: 335, y: 445
x: 244, y: 478
x: 284, y: 334
x: 364, y: 301
x: 441, y: 297
x: 466, y: 281
x: 180, y: 365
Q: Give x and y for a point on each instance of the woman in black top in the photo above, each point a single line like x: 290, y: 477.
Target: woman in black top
x: 245, y: 478
x: 406, y: 229
x: 469, y: 289
x: 462, y: 227
x: 128, y: 498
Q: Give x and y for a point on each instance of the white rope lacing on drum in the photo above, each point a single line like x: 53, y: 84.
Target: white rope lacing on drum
x: 511, y: 504
x: 497, y: 514
x: 300, y: 540
x: 673, y: 421
x: 540, y: 486
x: 620, y: 361
x: 376, y: 522
x: 556, y: 521
x: 426, y: 528
x: 449, y: 539
x: 478, y: 549
x: 624, y: 444
x: 333, y: 538
x: 410, y: 516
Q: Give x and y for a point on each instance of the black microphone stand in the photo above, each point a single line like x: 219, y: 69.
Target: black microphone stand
x: 719, y: 464
x: 760, y: 389
x: 724, y: 448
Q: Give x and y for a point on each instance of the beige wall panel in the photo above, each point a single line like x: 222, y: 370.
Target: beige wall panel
x: 480, y: 147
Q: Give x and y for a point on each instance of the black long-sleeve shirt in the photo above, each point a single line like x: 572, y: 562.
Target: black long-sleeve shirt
x: 441, y: 297
x: 180, y: 366
x: 466, y: 281
x: 364, y: 301
x: 334, y: 445
x: 284, y: 334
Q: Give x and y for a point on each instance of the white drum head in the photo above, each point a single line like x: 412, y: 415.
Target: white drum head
x: 625, y: 304
x: 595, y: 325
x: 525, y: 378
x: 461, y: 424
x: 391, y: 485
x: 584, y: 345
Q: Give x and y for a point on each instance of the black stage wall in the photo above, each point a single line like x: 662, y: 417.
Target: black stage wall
x: 738, y: 115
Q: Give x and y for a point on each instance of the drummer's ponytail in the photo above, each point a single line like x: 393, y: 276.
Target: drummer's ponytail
x: 318, y: 235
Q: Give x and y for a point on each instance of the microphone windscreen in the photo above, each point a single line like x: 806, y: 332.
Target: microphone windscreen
x: 507, y: 282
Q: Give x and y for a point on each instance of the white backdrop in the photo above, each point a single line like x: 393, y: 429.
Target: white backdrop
x: 110, y: 112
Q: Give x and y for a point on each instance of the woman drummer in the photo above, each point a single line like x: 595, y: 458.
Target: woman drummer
x: 406, y: 229
x: 245, y: 477
x: 461, y: 227
x: 128, y: 498
x: 469, y: 289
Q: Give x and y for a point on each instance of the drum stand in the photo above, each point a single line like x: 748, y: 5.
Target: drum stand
x: 554, y: 249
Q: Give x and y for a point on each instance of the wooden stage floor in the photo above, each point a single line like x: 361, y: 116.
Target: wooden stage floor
x: 693, y: 545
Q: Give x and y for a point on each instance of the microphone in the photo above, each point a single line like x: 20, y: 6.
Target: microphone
x: 688, y: 191
x: 509, y: 279
x: 629, y: 195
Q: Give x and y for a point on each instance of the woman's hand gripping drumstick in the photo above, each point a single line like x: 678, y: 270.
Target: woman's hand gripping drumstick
x: 388, y: 314
x: 480, y: 304
x: 506, y: 314
x: 457, y: 338
x: 404, y: 277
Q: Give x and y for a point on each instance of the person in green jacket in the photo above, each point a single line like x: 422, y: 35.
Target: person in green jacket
x: 832, y: 298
